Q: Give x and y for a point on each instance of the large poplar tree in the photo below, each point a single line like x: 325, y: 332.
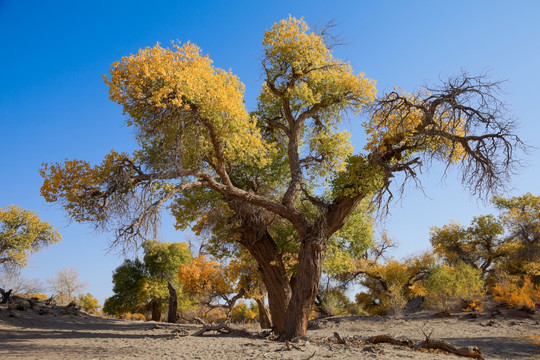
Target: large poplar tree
x: 286, y: 174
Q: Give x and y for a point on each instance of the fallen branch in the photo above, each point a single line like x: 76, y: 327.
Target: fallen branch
x: 387, y: 339
x: 224, y: 329
x: 428, y: 344
x: 468, y: 351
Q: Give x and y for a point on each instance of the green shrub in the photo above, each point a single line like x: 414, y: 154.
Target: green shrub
x: 452, y: 287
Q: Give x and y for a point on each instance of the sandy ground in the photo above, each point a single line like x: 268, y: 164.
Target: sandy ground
x: 62, y: 333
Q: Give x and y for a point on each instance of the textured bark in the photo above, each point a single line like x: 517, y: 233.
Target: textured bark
x: 173, y: 304
x: 310, y: 262
x: 264, y: 314
x: 264, y: 250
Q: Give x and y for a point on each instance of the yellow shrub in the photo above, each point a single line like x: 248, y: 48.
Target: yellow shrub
x: 38, y: 296
x: 475, y: 305
x: 509, y: 291
x: 137, y: 317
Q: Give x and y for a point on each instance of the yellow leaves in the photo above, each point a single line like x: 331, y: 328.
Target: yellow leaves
x: 203, y: 276
x: 78, y: 186
x: 404, y: 121
x: 290, y: 42
x: 22, y: 233
x: 181, y: 86
x: 516, y: 292
x: 300, y: 66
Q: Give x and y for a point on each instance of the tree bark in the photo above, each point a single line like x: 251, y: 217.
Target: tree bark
x: 274, y: 276
x: 156, y: 310
x: 264, y: 315
x: 173, y: 304
x: 310, y: 262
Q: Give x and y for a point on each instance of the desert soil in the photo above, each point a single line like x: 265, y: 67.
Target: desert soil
x: 66, y: 333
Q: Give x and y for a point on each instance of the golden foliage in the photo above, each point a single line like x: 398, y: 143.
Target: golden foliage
x: 178, y: 94
x: 402, y: 123
x: 516, y: 292
x: 22, y: 233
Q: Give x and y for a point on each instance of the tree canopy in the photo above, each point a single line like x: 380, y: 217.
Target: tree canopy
x: 138, y: 284
x: 509, y: 242
x: 286, y: 171
x: 22, y: 233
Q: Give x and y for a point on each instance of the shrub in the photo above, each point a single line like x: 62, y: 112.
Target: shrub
x: 516, y: 292
x: 449, y: 287
x: 242, y: 313
x: 133, y: 317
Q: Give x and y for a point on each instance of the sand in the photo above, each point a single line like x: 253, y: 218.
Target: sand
x: 66, y: 333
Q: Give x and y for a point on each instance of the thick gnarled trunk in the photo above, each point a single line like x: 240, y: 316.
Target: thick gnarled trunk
x: 310, y: 262
x: 273, y: 274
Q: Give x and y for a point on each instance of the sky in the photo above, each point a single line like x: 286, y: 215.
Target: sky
x: 54, y: 104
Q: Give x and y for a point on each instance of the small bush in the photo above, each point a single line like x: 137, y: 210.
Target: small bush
x: 449, y: 287
x: 133, y: 317
x: 516, y: 292
x: 242, y: 313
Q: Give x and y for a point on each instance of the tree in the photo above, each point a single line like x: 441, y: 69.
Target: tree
x: 127, y: 281
x: 390, y: 284
x: 520, y: 215
x: 20, y: 285
x: 212, y: 285
x: 162, y: 261
x: 22, y: 233
x: 478, y: 245
x: 287, y: 166
x: 66, y: 285
x: 89, y: 303
x: 509, y: 242
x: 138, y: 284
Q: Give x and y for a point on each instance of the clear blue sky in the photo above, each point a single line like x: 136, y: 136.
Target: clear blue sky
x: 54, y: 104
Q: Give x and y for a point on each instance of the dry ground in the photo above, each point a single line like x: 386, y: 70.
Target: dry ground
x: 65, y: 333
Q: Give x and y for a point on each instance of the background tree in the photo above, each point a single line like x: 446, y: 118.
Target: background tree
x: 520, y: 215
x: 390, y: 284
x: 508, y: 243
x: 210, y: 284
x: 66, y: 285
x: 22, y: 233
x: 89, y: 303
x: 15, y: 281
x: 138, y: 284
x: 196, y: 139
x: 478, y: 245
x: 127, y: 282
x: 162, y: 261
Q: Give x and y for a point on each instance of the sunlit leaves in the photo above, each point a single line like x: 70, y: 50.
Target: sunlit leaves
x: 22, y: 233
x: 178, y: 101
x: 409, y: 123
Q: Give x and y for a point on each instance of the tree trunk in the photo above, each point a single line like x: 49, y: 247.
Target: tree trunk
x: 5, y: 295
x: 173, y: 304
x: 156, y: 310
x: 310, y: 260
x: 264, y: 315
x: 274, y: 276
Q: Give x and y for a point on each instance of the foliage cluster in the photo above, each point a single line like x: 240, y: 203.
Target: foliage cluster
x: 141, y: 286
